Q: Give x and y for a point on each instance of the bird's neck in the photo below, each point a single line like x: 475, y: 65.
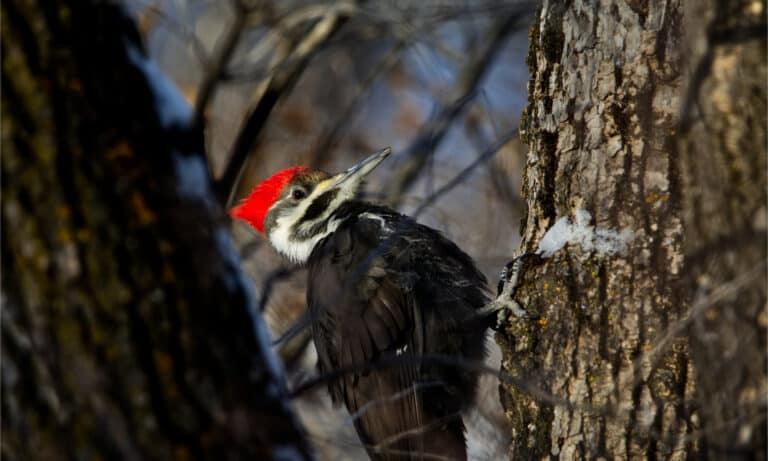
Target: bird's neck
x: 297, y: 249
x: 298, y: 246
x: 296, y: 242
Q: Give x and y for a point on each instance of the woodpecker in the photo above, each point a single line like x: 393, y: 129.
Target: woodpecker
x: 381, y: 287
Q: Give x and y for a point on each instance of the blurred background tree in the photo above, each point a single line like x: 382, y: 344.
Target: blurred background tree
x: 129, y: 329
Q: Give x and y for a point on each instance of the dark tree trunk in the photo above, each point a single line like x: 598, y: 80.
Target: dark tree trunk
x: 128, y: 330
x: 618, y: 376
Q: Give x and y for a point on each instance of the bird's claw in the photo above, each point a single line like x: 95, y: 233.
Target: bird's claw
x: 505, y: 303
x: 510, y: 307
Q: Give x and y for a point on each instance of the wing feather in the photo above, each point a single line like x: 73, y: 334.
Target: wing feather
x: 362, y: 299
x: 379, y: 329
x: 361, y: 322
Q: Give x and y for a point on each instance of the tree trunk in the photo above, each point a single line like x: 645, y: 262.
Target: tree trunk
x: 610, y: 356
x: 722, y: 151
x: 128, y: 329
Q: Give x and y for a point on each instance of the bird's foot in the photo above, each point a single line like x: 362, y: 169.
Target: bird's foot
x: 506, y: 308
x: 505, y: 304
x: 511, y: 307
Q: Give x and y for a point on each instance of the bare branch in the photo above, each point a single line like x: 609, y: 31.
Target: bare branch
x: 383, y: 450
x: 330, y: 139
x: 218, y: 66
x: 303, y: 50
x: 700, y: 305
x: 383, y: 446
x: 433, y: 360
x: 181, y: 31
x: 422, y: 148
x: 272, y: 278
x: 412, y: 389
x: 464, y: 174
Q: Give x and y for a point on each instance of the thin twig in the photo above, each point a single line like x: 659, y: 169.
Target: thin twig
x: 405, y: 454
x: 420, y: 150
x: 419, y: 430
x: 498, y: 176
x: 412, y: 389
x: 303, y: 50
x: 272, y: 278
x: 218, y: 66
x: 700, y: 305
x: 297, y: 327
x: 463, y: 174
x: 180, y: 30
x: 332, y: 136
x: 401, y: 29
x: 433, y: 360
x: 404, y: 40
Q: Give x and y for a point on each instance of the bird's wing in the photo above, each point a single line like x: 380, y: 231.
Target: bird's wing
x: 363, y: 313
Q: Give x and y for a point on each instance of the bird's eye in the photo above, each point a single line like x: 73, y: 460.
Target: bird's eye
x: 298, y: 194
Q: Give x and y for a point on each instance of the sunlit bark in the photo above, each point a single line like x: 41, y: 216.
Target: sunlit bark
x: 612, y: 349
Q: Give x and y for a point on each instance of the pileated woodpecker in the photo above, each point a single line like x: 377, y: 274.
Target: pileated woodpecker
x: 381, y: 287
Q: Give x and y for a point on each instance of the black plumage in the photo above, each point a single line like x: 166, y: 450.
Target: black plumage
x: 384, y: 286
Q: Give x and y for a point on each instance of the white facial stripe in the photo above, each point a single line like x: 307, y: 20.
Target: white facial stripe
x: 298, y: 250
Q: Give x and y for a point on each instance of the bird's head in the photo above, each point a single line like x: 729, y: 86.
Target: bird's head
x: 294, y: 208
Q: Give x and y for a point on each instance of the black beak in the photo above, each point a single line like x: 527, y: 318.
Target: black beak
x: 353, y: 176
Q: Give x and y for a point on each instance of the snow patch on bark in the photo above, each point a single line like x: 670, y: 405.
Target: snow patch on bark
x: 600, y: 240
x: 172, y: 108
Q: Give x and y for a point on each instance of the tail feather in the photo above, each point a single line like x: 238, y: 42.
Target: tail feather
x: 393, y: 423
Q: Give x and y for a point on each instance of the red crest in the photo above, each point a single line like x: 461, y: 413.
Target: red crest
x: 254, y: 208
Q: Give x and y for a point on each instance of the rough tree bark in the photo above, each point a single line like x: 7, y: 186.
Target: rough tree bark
x: 612, y: 347
x: 128, y: 331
